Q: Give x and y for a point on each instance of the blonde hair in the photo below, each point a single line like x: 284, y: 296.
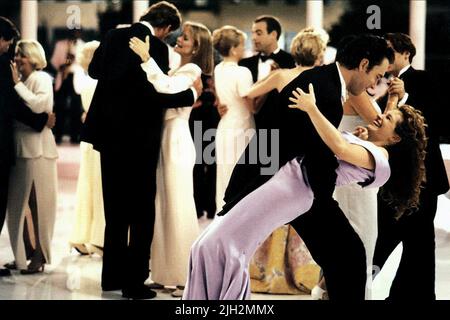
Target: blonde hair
x: 226, y: 38
x: 32, y: 50
x: 308, y: 45
x: 203, y: 52
x: 86, y: 53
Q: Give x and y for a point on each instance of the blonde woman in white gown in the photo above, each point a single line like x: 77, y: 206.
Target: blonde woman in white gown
x: 176, y: 224
x: 34, y: 175
x: 237, y: 126
x: 89, y: 222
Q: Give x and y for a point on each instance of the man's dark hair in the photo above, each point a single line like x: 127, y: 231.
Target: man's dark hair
x: 366, y: 46
x: 273, y: 24
x: 163, y: 14
x: 402, y: 43
x: 342, y: 44
x: 8, y: 30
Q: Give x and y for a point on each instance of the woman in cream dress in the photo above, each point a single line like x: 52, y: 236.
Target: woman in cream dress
x: 237, y: 126
x: 34, y: 176
x: 89, y: 222
x: 360, y: 204
x: 176, y: 225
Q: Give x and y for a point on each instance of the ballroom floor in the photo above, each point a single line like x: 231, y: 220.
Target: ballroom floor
x: 72, y: 276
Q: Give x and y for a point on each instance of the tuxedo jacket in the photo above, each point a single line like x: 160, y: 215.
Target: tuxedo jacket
x: 264, y: 118
x: 13, y: 108
x: 299, y: 138
x: 126, y: 112
x: 282, y: 58
x: 297, y: 133
x: 421, y: 88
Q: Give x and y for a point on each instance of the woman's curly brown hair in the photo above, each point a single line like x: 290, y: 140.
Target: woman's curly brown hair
x: 406, y: 160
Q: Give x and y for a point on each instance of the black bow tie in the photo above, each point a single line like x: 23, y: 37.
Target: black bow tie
x: 264, y: 58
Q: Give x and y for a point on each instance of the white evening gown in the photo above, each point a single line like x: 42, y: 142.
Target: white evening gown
x: 176, y: 224
x: 89, y: 220
x: 236, y: 127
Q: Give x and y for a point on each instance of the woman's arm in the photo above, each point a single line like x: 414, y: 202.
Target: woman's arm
x: 344, y: 150
x: 264, y: 86
x: 182, y: 80
x: 251, y: 105
x: 363, y: 107
x: 163, y: 83
x: 243, y: 86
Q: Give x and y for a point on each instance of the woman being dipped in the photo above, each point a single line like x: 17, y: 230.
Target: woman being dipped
x: 218, y: 267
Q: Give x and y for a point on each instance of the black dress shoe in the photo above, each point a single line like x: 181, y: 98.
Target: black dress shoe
x: 5, y: 273
x: 156, y: 286
x: 10, y: 265
x: 112, y: 288
x: 141, y: 292
x: 32, y: 269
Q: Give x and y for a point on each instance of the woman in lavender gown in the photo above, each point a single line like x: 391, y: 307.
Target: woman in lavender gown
x: 219, y: 259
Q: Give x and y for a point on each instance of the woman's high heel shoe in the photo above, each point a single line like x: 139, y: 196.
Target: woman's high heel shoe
x: 33, y: 269
x: 80, y: 248
x: 317, y: 293
x: 96, y: 249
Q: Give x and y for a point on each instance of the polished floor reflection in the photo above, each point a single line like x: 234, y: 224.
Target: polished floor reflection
x: 72, y: 276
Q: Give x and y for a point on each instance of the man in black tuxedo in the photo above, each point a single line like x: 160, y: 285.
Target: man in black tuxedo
x: 204, y: 112
x: 12, y: 108
x: 266, y: 30
x: 416, y: 272
x: 124, y: 124
x: 333, y: 243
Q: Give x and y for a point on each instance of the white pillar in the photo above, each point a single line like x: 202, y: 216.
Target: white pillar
x: 417, y: 25
x: 29, y: 19
x: 314, y: 13
x: 139, y: 7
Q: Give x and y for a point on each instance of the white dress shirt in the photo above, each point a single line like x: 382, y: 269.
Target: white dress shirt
x: 344, y: 93
x: 265, y: 67
x: 405, y: 97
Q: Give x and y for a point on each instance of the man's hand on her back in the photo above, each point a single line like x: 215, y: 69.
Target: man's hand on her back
x: 222, y: 109
x: 51, y: 120
x: 198, y: 86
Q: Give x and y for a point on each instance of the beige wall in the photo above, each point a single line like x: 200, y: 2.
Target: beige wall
x: 292, y: 17
x: 53, y: 14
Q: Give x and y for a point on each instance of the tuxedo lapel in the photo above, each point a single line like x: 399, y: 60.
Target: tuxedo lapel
x: 407, y: 73
x: 253, y: 66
